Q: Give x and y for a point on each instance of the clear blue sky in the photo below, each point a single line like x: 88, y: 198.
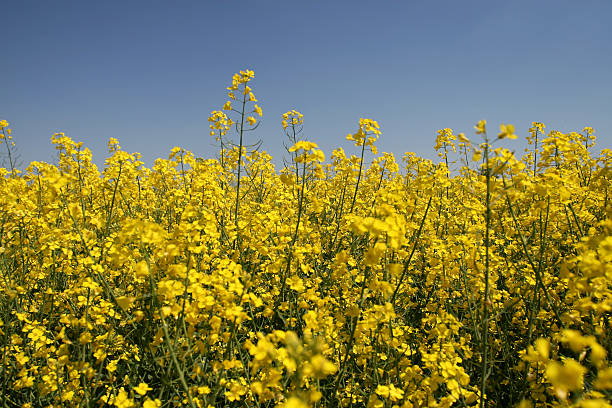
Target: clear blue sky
x: 150, y: 72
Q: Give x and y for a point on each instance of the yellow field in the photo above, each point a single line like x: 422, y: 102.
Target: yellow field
x: 223, y: 282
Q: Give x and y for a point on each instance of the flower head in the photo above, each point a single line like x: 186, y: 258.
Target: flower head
x: 506, y: 132
x: 481, y: 127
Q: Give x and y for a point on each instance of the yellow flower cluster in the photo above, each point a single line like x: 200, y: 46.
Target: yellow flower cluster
x: 367, y: 134
x: 362, y: 281
x: 293, y: 118
x: 219, y: 122
x: 7, y: 139
x: 311, y: 153
x: 239, y: 84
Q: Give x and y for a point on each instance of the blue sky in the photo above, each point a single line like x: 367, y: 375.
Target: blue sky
x: 150, y: 72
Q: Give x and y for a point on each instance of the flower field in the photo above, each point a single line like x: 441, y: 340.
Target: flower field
x: 360, y: 280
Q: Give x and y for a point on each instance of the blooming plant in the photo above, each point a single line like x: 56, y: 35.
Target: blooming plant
x: 485, y: 279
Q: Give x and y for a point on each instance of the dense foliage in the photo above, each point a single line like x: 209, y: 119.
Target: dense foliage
x: 224, y: 282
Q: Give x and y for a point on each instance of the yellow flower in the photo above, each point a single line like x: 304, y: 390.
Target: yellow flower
x: 67, y: 395
x: 462, y: 138
x: 507, y: 131
x: 204, y: 390
x: 537, y: 126
x: 122, y: 400
x: 156, y: 403
x: 303, y: 145
x: 247, y: 75
x: 125, y: 302
x: 390, y: 391
x: 85, y: 338
x: 236, y: 390
x: 565, y: 377
x: 542, y: 347
x: 293, y: 402
x: 368, y: 133
x: 322, y: 367
x: 604, y: 379
x: 142, y: 388
x: 287, y: 179
x: 141, y: 269
x: 481, y: 127
x: 294, y: 117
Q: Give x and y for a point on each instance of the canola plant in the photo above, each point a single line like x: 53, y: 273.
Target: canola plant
x: 361, y: 281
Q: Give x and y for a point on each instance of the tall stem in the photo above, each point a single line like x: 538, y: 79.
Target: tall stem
x: 485, y: 313
x: 535, y: 154
x: 8, y: 149
x: 295, y: 235
x: 358, y: 176
x: 239, y: 166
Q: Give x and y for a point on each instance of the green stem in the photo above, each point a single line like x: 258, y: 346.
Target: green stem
x: 8, y: 149
x: 416, y: 240
x: 485, y: 313
x: 239, y: 167
x: 294, y: 239
x: 358, y: 176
